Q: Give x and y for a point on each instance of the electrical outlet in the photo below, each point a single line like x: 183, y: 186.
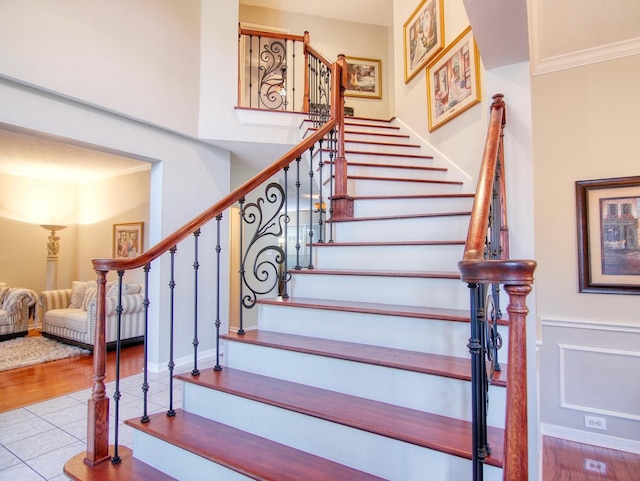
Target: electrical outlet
x: 594, y: 422
x: 595, y: 466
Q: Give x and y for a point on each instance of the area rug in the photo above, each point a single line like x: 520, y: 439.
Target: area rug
x: 27, y: 351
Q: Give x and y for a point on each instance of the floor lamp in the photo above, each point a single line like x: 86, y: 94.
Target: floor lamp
x: 53, y: 248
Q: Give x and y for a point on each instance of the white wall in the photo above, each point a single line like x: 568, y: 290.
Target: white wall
x: 585, y: 127
x: 186, y: 177
x: 139, y: 58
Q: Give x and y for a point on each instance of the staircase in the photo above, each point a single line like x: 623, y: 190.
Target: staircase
x: 363, y: 372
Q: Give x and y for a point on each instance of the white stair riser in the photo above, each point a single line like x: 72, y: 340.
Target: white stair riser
x: 449, y: 338
x: 423, y: 392
x: 408, y: 257
x: 441, y: 293
x: 388, y: 207
x: 425, y: 228
x: 364, y: 126
x: 179, y: 463
x: 357, y: 187
x: 385, y: 457
x: 353, y: 146
x: 355, y: 135
x: 395, y: 173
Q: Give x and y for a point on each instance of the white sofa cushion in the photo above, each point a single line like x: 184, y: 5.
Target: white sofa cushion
x: 5, y: 319
x: 74, y: 319
x: 78, y: 290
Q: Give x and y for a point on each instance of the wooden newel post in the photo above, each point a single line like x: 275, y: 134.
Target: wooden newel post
x: 98, y: 406
x: 516, y: 467
x: 342, y: 203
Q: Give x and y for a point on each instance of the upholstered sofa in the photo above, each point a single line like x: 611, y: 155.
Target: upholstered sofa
x: 17, y: 306
x: 69, y: 315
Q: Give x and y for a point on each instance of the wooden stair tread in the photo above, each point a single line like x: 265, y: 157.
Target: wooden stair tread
x: 129, y: 469
x: 393, y: 166
x: 433, y: 313
x: 387, y: 243
x: 377, y: 273
x: 361, y: 132
x: 406, y: 216
x: 389, y: 154
x: 253, y: 456
x: 404, y: 179
x: 422, y: 362
x: 448, y: 435
x: 412, y: 196
x: 381, y: 144
x: 375, y: 126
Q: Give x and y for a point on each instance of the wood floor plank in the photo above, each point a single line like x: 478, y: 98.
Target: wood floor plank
x: 248, y: 454
x: 448, y: 435
x: 32, y: 384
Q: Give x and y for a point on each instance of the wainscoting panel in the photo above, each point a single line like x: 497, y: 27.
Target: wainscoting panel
x: 590, y: 380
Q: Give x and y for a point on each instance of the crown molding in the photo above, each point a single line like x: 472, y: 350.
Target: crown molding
x: 584, y: 57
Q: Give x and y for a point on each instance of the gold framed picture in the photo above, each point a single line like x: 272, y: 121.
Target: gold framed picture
x: 423, y: 36
x: 453, y: 80
x: 364, y: 78
x: 128, y: 239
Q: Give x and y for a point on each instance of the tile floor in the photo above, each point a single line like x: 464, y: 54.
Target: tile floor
x: 37, y: 440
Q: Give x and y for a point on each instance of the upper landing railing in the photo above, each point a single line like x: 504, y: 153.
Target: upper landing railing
x: 484, y: 267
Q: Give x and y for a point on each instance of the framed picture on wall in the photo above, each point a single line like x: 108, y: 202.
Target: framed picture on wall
x: 453, y: 80
x: 128, y: 239
x: 608, y: 231
x: 364, y: 78
x: 423, y: 36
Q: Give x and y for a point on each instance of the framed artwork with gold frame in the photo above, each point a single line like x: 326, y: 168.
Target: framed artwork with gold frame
x: 423, y: 36
x: 128, y: 239
x: 364, y: 78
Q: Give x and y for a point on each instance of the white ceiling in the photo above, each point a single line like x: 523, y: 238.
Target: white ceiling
x: 28, y: 154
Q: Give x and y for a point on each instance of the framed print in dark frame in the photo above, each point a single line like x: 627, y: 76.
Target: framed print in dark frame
x: 608, y: 231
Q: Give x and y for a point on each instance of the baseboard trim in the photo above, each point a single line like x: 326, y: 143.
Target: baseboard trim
x: 576, y: 435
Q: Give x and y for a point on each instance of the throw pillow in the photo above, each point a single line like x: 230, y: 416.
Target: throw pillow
x: 78, y: 290
x: 91, y: 293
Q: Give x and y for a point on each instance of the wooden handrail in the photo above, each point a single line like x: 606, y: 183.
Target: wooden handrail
x: 318, y: 55
x: 278, y: 35
x: 98, y: 406
x: 516, y: 275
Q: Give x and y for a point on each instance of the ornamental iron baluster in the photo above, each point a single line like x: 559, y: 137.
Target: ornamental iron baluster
x: 310, y: 266
x: 320, y: 197
x: 172, y: 285
x: 332, y: 152
x: 218, y: 323
x: 145, y: 363
x: 268, y: 228
x: 117, y: 394
x: 241, y: 330
x: 298, y: 266
x: 196, y: 267
x: 273, y: 75
x: 284, y: 280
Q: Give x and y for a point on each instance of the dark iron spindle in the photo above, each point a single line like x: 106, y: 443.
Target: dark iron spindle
x: 240, y: 314
x: 320, y: 197
x: 145, y: 363
x: 218, y: 367
x: 293, y: 89
x: 250, y: 71
x: 172, y: 285
x: 196, y: 342
x: 298, y: 266
x: 310, y: 266
x: 285, y: 271
x: 332, y: 154
x: 115, y: 459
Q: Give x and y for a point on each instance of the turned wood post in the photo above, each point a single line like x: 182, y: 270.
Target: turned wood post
x: 98, y: 406
x: 341, y: 202
x: 516, y: 466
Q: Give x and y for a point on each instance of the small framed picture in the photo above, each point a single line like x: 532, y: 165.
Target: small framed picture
x: 608, y: 230
x: 364, y: 78
x: 128, y: 239
x: 423, y: 36
x: 453, y: 80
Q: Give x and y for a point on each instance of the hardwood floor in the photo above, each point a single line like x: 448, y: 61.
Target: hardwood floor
x: 570, y: 461
x: 28, y: 385
x: 562, y: 460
